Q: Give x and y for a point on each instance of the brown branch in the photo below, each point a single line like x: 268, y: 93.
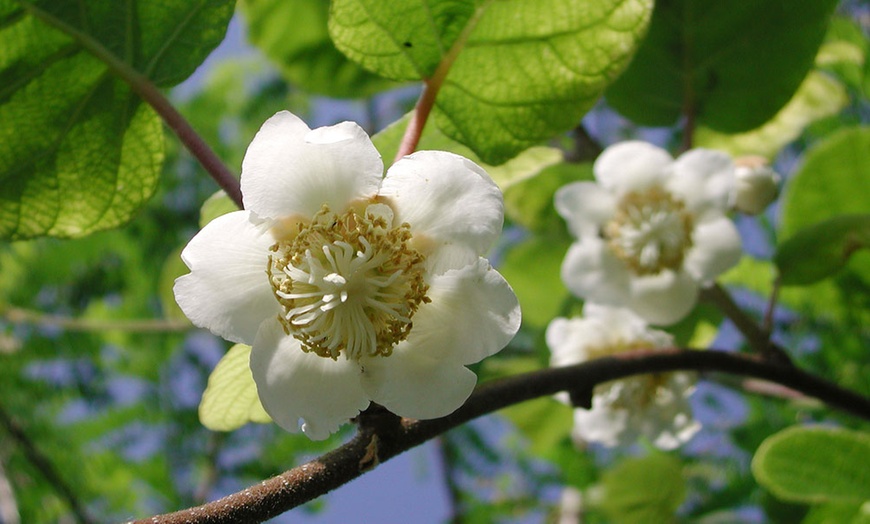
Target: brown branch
x: 308, y: 481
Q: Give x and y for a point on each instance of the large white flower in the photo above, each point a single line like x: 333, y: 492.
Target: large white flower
x: 650, y: 230
x: 654, y: 406
x: 351, y: 286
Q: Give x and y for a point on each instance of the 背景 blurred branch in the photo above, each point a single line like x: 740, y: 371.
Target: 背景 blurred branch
x: 383, y: 436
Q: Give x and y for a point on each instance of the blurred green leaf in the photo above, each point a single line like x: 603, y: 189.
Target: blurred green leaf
x: 815, y: 464
x: 644, y: 490
x: 533, y: 268
x: 833, y: 180
x: 819, y: 96
x: 837, y: 513
x: 230, y: 400
x: 216, y: 205
x: 306, y: 55
x: 734, y: 64
x: 517, y: 71
x: 79, y: 151
x: 530, y: 202
x: 523, y: 166
x: 822, y: 249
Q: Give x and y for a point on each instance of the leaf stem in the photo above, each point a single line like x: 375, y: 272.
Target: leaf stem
x: 321, y: 475
x: 433, y: 84
x: 142, y: 86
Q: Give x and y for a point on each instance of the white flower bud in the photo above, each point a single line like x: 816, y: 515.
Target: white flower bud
x: 757, y: 185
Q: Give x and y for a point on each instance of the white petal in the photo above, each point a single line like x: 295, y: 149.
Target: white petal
x: 704, y: 179
x: 290, y: 170
x: 601, y: 424
x: 411, y: 384
x: 586, y: 206
x: 631, y: 166
x: 665, y: 298
x: 446, y: 198
x: 474, y: 313
x: 591, y: 272
x: 297, y: 387
x: 227, y: 290
x: 716, y: 248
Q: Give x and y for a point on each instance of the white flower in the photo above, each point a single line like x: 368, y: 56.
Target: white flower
x: 651, y: 231
x: 757, y: 184
x: 350, y: 286
x: 654, y: 406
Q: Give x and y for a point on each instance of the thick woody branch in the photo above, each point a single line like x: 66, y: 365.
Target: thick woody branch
x: 387, y: 437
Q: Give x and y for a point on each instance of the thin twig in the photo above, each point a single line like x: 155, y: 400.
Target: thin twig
x: 15, y: 315
x: 44, y: 465
x: 319, y: 476
x: 8, y: 506
x: 757, y: 337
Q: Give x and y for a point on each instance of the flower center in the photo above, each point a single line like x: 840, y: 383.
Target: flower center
x: 650, y: 232
x: 348, y: 283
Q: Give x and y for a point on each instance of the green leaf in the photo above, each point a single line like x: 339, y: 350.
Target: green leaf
x: 734, y: 64
x: 530, y: 202
x: 533, y: 268
x: 306, y: 55
x: 833, y: 180
x: 815, y: 464
x: 514, y: 72
x: 214, y: 206
x: 524, y: 166
x: 819, y: 96
x: 230, y: 399
x: 822, y: 249
x: 79, y: 151
x: 643, y: 490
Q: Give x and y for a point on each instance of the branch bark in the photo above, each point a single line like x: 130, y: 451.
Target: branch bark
x: 386, y: 440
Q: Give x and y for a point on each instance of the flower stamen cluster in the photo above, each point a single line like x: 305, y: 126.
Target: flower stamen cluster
x: 348, y: 283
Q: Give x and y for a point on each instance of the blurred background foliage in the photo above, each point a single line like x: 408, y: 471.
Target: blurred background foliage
x: 101, y: 375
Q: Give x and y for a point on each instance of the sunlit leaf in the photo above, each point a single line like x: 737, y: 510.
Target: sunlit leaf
x: 515, y: 72
x: 815, y: 464
x: 306, y: 55
x: 230, y: 400
x: 533, y: 267
x: 732, y: 64
x: 216, y: 205
x: 822, y: 249
x: 525, y: 165
x: 79, y: 151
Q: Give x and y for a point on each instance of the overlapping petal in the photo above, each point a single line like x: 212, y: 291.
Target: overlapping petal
x: 473, y: 314
x: 585, y: 206
x: 717, y: 248
x: 665, y: 298
x: 290, y: 170
x: 447, y: 199
x: 302, y: 390
x: 227, y: 291
x: 631, y: 166
x: 704, y: 180
x: 591, y: 271
x: 414, y: 385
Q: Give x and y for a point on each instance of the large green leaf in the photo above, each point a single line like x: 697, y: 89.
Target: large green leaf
x: 833, y: 180
x: 821, y: 250
x: 515, y: 72
x: 732, y: 64
x: 306, y: 55
x: 815, y: 464
x: 79, y: 151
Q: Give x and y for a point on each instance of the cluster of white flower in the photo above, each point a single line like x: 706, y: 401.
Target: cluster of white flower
x: 353, y: 287
x: 651, y: 232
